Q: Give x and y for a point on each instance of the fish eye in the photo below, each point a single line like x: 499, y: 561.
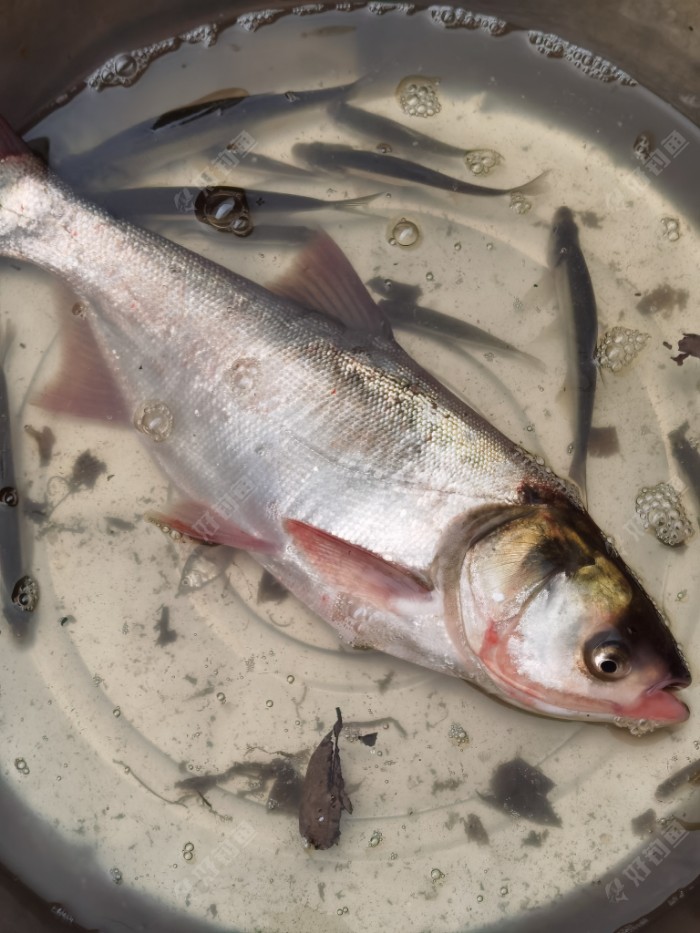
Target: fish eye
x: 608, y: 661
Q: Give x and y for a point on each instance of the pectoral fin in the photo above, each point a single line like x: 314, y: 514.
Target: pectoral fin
x: 355, y: 570
x: 204, y: 523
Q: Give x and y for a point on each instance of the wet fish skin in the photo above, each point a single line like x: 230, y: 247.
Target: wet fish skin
x: 334, y: 158
x: 576, y: 300
x: 292, y: 425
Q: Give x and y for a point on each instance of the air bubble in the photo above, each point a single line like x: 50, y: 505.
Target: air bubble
x: 429, y: 277
x: 221, y: 697
x: 116, y: 712
x: 479, y: 898
x: 243, y: 376
x: 269, y: 703
x: 375, y: 839
x: 457, y: 247
x: 671, y: 228
x: 125, y: 66
x: 418, y: 96
x: 503, y: 891
x: 436, y: 875
x: 482, y: 161
x: 290, y: 678
x: 659, y: 508
x: 405, y: 233
x: 154, y: 419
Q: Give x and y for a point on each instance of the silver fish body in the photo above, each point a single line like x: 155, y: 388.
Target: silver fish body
x: 314, y: 441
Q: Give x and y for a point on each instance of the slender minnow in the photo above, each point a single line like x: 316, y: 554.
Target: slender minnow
x: 20, y: 590
x: 383, y: 130
x: 332, y: 158
x: 208, y: 127
x: 577, y: 303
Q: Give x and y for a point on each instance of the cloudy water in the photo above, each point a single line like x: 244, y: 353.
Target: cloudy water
x: 161, y: 702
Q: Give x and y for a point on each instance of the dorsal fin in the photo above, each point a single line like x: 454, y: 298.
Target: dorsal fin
x: 322, y: 279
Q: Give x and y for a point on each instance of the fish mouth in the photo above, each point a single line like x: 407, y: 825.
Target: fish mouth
x: 659, y: 704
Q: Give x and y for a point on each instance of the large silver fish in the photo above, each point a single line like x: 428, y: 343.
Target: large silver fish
x: 315, y: 442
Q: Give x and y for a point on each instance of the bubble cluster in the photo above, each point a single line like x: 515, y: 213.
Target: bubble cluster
x: 25, y: 594
x: 618, y: 347
x: 21, y: 766
x: 126, y: 68
x: 405, y: 233
x: 457, y: 18
x: 116, y: 875
x: 9, y: 496
x: 659, y: 507
x: 519, y: 203
x: 481, y: 161
x: 591, y: 65
x: 154, y: 419
x: 457, y: 735
x: 643, y: 146
x: 418, y: 96
x: 671, y: 228
x: 375, y: 839
x: 188, y: 851
x: 437, y: 876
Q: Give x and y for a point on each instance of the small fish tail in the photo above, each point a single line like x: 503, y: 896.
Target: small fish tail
x: 536, y: 186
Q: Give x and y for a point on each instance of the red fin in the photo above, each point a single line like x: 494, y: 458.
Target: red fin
x: 322, y: 279
x: 84, y: 386
x: 204, y: 523
x: 10, y: 143
x: 352, y: 569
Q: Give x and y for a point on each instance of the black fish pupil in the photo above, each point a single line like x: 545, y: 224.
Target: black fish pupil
x: 608, y: 666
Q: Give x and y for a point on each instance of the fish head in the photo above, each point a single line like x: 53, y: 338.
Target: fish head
x: 561, y: 625
x: 563, y: 235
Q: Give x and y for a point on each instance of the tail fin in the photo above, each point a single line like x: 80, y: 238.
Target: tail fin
x: 10, y: 143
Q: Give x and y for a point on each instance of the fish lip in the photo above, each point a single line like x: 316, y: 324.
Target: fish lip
x: 658, y: 704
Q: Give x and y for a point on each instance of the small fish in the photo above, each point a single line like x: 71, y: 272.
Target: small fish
x: 577, y: 303
x: 292, y: 425
x: 400, y: 305
x: 383, y: 130
x: 334, y: 158
x: 21, y: 590
x: 687, y: 456
x: 224, y: 202
x: 206, y: 127
x: 323, y: 795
